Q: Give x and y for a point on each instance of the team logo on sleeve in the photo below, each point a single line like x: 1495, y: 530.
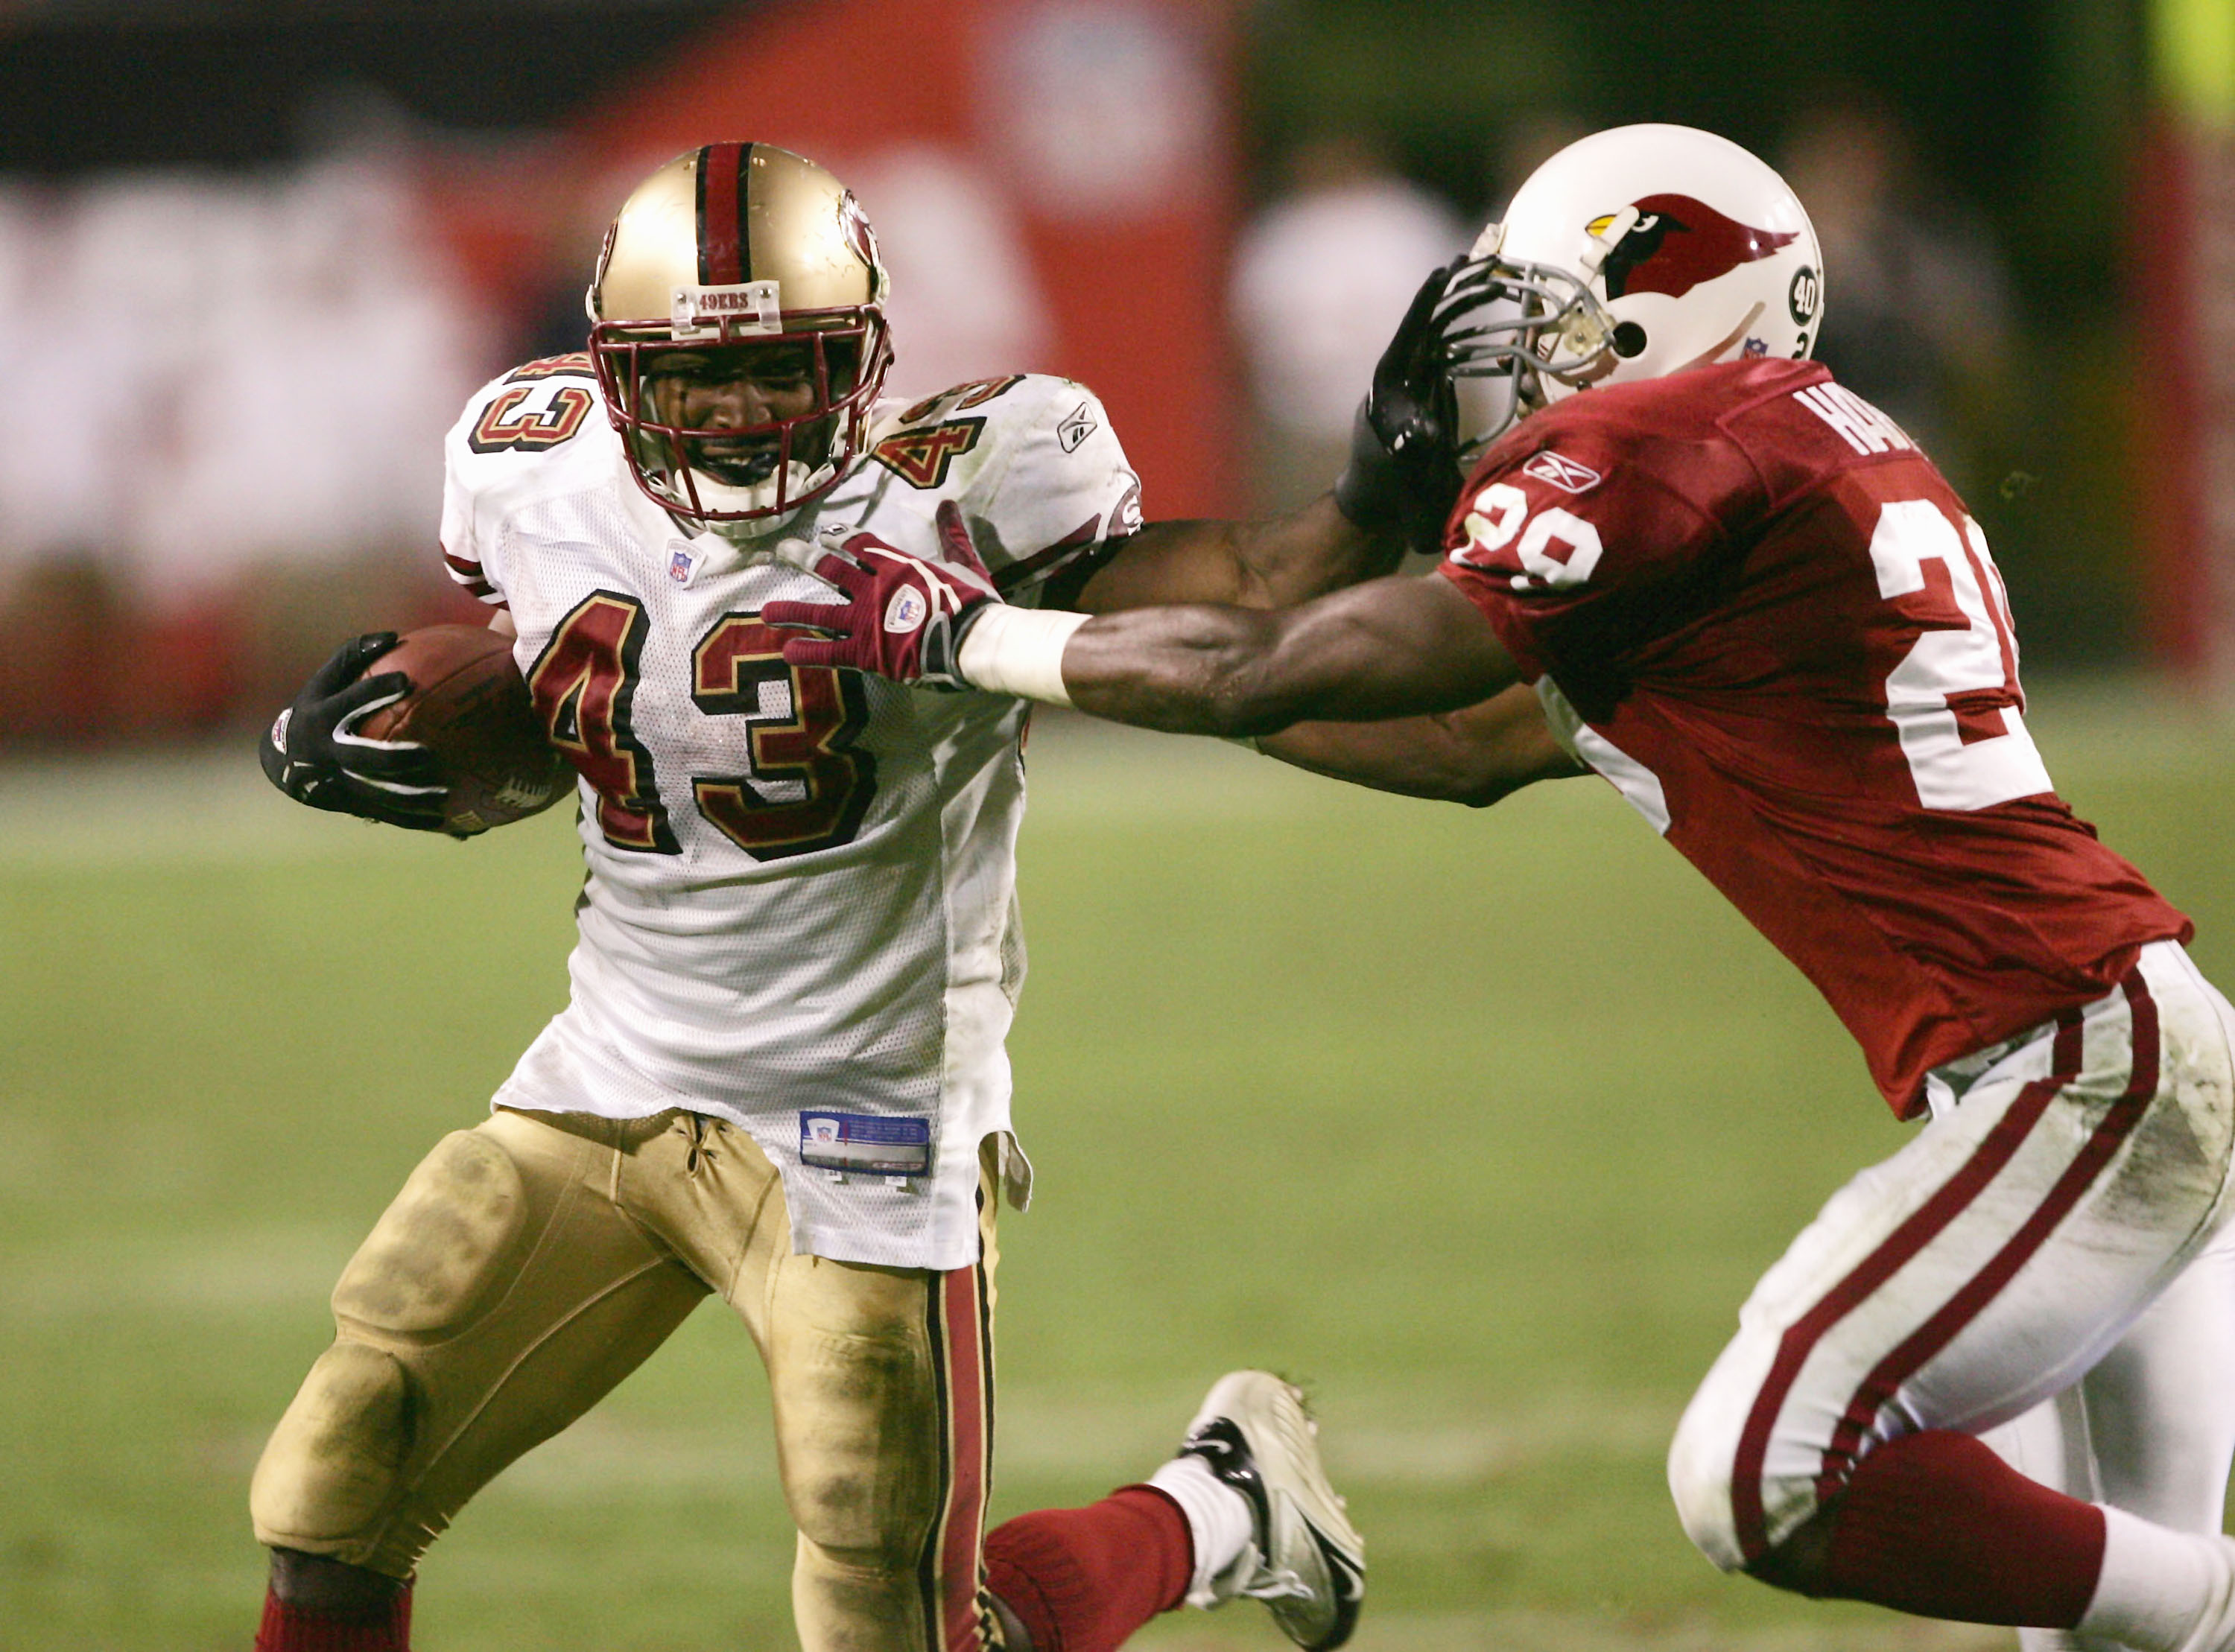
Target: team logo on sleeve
x: 1675, y: 243
x: 1566, y: 474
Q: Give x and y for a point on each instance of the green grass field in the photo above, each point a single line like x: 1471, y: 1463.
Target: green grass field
x: 1482, y: 1124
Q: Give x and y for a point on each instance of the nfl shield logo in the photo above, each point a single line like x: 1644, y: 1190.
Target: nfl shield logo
x: 678, y: 567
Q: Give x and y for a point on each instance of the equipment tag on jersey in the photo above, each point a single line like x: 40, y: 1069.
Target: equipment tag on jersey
x: 865, y: 1144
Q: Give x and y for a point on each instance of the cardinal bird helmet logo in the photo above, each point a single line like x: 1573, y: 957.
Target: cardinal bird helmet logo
x: 1611, y: 266
x: 1675, y: 243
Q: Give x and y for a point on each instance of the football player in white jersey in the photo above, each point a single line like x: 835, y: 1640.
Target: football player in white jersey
x: 780, y: 1076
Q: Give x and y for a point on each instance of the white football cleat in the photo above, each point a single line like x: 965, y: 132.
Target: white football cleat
x: 1305, y: 1561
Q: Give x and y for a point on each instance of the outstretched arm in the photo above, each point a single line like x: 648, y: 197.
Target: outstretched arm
x: 1391, y: 647
x: 1473, y: 756
x: 1270, y: 563
x: 1395, y: 494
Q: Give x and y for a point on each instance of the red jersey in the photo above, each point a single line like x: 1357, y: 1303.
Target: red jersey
x: 1751, y: 603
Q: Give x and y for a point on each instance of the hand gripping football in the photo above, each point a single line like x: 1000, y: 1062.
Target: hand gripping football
x: 469, y: 706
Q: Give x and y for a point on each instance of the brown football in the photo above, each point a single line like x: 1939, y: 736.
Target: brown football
x: 469, y: 703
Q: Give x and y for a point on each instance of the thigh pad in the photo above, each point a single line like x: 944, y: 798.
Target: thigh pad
x: 332, y: 1463
x: 445, y: 1247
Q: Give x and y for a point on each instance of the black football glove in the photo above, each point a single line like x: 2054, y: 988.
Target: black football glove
x: 314, y: 754
x: 1404, y: 470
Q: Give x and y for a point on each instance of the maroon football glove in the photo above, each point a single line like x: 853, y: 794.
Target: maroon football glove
x: 904, y: 618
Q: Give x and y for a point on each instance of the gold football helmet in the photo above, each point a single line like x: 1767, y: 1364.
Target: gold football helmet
x: 739, y: 264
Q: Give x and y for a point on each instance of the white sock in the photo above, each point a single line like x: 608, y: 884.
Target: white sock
x: 1219, y: 1521
x: 2162, y: 1591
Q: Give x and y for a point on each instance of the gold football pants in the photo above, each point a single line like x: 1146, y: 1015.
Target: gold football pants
x: 531, y: 1264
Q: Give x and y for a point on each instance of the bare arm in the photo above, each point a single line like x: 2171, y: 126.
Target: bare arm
x: 1192, y: 625
x: 1396, y: 490
x: 1473, y: 756
x: 1391, y: 647
x: 1272, y: 563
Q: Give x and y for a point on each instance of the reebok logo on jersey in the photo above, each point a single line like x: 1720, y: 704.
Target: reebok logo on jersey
x: 1077, y: 425
x: 1563, y: 473
x: 907, y: 610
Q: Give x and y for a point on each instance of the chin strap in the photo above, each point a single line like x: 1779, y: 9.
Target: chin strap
x: 805, y: 487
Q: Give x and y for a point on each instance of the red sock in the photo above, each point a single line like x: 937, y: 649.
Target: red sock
x: 1082, y: 1580
x: 292, y: 1628
x: 1936, y: 1523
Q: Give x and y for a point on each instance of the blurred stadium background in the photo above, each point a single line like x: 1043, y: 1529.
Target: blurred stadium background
x: 1483, y: 1124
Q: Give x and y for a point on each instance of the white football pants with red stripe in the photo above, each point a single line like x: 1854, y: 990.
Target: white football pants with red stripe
x: 2152, y: 1428
x: 2013, y: 1250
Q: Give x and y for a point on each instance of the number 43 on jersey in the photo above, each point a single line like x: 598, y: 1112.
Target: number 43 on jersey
x: 808, y: 787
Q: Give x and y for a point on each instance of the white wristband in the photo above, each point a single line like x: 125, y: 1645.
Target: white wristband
x: 1018, y: 651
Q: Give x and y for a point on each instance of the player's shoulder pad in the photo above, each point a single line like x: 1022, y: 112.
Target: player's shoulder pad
x: 971, y: 438
x: 1805, y: 427
x: 523, y: 418
x: 1646, y: 473
x: 1027, y: 462
x: 1672, y: 434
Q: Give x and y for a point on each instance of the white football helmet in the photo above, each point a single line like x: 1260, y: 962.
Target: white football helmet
x: 1634, y: 252
x: 732, y: 249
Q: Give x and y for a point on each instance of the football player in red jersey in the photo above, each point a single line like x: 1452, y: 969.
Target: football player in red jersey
x: 1691, y: 562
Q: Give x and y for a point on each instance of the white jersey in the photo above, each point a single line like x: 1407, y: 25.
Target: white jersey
x: 800, y: 908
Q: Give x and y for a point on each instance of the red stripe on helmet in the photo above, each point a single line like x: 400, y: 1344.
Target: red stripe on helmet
x: 721, y: 214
